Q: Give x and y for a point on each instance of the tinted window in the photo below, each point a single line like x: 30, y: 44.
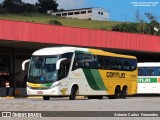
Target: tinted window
x: 83, y: 12
x: 89, y: 11
x: 67, y: 55
x: 64, y: 14
x: 141, y: 71
x: 76, y: 13
x: 70, y: 13
x: 102, y: 62
x: 58, y: 14
x: 118, y: 63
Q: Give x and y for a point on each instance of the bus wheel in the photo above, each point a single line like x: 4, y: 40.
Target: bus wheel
x: 100, y: 97
x: 124, y: 93
x: 73, y: 93
x: 117, y: 93
x: 110, y: 96
x: 46, y: 97
x: 95, y: 97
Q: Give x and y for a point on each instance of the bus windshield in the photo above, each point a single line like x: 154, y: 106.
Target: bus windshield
x: 43, y: 69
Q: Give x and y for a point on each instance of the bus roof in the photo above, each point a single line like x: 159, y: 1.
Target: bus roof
x: 62, y: 50
x: 149, y: 64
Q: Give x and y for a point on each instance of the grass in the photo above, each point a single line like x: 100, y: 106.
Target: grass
x: 41, y: 18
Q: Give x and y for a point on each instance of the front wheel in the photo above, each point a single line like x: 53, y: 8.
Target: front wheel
x: 95, y: 97
x: 46, y: 97
x: 73, y: 93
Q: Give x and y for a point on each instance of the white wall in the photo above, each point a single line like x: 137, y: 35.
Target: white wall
x: 103, y: 16
x: 94, y: 15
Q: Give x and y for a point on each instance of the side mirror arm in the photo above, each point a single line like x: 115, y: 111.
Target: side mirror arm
x: 59, y: 62
x: 23, y: 64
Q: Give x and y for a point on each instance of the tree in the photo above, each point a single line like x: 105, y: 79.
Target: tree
x: 13, y: 6
x: 151, y: 17
x: 140, y: 27
x: 44, y: 5
x: 29, y: 8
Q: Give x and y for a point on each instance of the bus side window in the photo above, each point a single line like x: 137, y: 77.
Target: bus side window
x: 61, y: 71
x: 150, y: 71
x: 78, y: 59
x: 107, y: 63
x: 126, y: 64
x: 100, y: 62
x: 141, y: 71
x: 133, y: 64
x: 64, y: 69
x: 158, y: 74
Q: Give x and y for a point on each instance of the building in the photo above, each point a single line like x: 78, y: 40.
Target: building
x: 18, y: 40
x: 99, y: 14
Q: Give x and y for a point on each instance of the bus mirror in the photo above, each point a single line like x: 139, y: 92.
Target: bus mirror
x: 23, y: 64
x: 59, y: 62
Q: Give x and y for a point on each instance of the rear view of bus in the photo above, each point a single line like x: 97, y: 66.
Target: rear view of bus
x: 148, y: 78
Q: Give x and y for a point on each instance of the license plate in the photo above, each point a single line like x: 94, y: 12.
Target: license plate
x: 39, y: 92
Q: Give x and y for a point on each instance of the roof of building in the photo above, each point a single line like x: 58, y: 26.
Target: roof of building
x: 81, y: 9
x: 61, y: 35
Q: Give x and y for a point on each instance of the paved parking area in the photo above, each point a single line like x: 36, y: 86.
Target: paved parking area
x: 147, y: 103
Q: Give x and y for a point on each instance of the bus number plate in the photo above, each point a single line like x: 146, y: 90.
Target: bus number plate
x: 39, y: 92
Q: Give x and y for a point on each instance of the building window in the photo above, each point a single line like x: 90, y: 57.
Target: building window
x: 64, y: 14
x: 101, y: 13
x: 83, y: 12
x: 89, y: 11
x: 98, y: 12
x: 58, y: 14
x: 70, y: 13
x: 76, y: 13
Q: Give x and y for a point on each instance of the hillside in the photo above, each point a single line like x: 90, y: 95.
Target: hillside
x: 40, y: 18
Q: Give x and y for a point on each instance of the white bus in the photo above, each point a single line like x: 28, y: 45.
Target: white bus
x: 148, y: 78
x: 73, y: 71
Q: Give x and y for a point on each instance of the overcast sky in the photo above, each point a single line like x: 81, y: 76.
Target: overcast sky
x: 119, y: 10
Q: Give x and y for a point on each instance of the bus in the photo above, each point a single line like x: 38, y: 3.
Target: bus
x: 74, y: 71
x: 148, y: 78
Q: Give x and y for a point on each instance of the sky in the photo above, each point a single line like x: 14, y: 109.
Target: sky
x: 119, y: 10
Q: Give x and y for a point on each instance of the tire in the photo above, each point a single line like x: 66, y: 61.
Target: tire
x: 73, y: 93
x: 116, y: 95
x: 46, y: 97
x: 100, y: 97
x: 95, y: 97
x: 124, y: 93
x: 110, y: 97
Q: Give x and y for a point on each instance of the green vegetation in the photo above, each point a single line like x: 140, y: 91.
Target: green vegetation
x: 43, y: 18
x: 140, y: 26
x: 21, y: 11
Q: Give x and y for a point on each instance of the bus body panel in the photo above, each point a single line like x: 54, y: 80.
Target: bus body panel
x: 149, y: 78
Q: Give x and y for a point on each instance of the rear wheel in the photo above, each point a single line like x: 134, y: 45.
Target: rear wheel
x: 124, y: 93
x: 46, y: 97
x: 73, y: 93
x: 116, y: 95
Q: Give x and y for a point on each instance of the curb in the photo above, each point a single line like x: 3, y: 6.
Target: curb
x: 6, y: 97
x: 35, y: 97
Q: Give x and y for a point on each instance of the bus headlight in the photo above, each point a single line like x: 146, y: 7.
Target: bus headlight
x: 28, y: 85
x: 56, y: 84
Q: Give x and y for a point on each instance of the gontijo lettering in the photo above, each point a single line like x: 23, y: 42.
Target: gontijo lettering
x: 115, y: 75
